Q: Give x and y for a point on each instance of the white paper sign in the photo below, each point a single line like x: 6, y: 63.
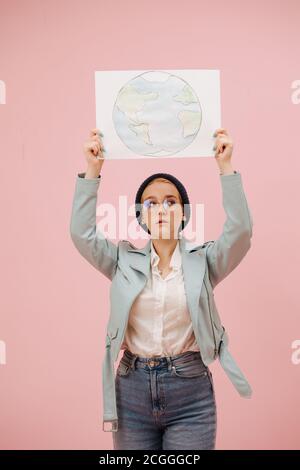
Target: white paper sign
x: 158, y: 113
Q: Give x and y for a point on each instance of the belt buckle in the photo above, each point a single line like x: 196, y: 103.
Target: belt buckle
x: 153, y: 362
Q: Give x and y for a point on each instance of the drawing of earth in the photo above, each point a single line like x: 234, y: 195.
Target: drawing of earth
x: 157, y: 114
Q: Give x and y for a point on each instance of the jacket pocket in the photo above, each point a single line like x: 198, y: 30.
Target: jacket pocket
x: 111, y: 334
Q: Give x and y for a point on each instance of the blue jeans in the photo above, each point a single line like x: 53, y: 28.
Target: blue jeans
x: 165, y: 403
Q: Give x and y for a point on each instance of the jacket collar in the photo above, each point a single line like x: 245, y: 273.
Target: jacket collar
x: 140, y: 258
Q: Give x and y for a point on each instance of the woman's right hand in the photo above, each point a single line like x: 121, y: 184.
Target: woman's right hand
x: 93, y: 150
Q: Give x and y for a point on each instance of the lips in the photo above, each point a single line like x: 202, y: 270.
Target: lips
x: 162, y: 221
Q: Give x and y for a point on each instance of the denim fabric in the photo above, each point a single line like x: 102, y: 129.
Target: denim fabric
x: 165, y: 403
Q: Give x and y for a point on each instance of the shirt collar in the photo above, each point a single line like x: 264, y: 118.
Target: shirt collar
x: 175, y: 261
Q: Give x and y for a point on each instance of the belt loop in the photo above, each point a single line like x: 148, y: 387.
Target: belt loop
x: 132, y: 364
x: 169, y: 363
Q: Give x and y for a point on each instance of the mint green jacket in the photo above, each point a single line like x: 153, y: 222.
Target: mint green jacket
x: 128, y: 269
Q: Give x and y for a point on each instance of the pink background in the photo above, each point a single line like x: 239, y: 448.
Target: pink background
x: 54, y: 305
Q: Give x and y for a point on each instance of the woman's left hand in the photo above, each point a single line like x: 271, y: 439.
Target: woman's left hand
x: 223, y: 147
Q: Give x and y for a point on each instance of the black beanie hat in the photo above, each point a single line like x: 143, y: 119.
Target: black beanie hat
x: 181, y: 189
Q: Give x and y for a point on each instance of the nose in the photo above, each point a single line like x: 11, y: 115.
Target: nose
x: 161, y: 204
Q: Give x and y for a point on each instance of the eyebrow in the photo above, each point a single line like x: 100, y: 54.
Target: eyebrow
x: 167, y: 195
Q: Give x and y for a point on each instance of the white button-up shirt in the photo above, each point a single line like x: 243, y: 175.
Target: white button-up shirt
x: 159, y: 322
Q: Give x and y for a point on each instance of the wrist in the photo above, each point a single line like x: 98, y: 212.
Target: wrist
x: 226, y: 169
x: 92, y: 172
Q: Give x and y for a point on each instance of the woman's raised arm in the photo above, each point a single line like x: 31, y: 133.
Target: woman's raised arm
x: 91, y: 244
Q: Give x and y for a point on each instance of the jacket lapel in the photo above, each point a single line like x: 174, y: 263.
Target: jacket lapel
x: 140, y: 258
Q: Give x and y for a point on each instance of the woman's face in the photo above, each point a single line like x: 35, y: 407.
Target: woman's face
x: 162, y: 201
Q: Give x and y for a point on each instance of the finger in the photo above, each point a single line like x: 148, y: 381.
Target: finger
x: 96, y: 148
x: 96, y: 132
x: 220, y: 130
x: 221, y: 134
x: 221, y: 141
x: 96, y: 138
x: 222, y: 138
x: 220, y: 149
x: 100, y: 148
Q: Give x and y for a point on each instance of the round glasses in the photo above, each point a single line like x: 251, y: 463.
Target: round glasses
x: 167, y: 203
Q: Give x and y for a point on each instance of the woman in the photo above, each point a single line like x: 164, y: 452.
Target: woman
x: 164, y: 390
